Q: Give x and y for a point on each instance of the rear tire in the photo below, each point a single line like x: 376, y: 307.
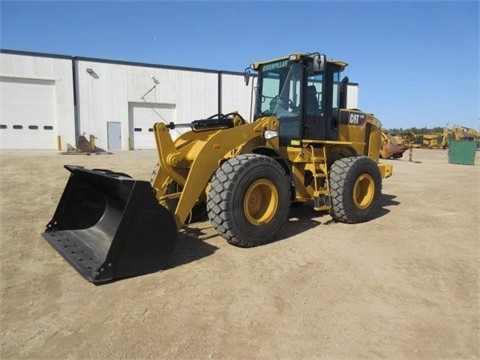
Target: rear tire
x: 248, y: 200
x: 355, y: 189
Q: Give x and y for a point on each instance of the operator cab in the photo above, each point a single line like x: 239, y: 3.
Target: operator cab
x: 305, y: 92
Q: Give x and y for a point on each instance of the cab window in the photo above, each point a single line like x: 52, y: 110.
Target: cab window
x: 313, y: 98
x: 280, y: 91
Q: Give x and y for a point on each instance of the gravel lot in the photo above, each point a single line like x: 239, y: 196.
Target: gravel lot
x: 402, y: 286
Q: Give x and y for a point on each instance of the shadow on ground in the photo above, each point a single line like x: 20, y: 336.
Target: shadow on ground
x: 191, y: 244
x: 386, y: 200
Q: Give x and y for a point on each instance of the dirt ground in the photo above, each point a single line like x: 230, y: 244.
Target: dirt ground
x: 405, y: 285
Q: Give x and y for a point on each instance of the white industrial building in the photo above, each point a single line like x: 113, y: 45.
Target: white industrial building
x: 48, y: 100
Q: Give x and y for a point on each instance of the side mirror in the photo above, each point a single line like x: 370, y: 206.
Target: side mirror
x: 246, y: 76
x: 319, y: 63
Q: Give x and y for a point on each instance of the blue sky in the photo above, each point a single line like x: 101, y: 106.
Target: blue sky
x: 417, y: 63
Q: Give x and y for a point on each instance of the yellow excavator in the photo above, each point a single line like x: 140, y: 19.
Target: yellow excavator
x: 303, y: 146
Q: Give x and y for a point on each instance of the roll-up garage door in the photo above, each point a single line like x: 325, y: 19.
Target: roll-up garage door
x: 27, y: 113
x: 142, y: 117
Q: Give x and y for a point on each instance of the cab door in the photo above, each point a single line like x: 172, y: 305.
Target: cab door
x: 314, y: 119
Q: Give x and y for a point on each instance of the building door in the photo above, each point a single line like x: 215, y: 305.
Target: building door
x: 28, y: 111
x: 142, y: 117
x: 114, y: 135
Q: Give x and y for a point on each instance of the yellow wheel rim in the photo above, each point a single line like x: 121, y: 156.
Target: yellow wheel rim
x: 363, y: 191
x: 261, y: 202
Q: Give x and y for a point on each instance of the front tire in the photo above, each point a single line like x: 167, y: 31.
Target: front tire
x: 355, y: 189
x: 248, y: 200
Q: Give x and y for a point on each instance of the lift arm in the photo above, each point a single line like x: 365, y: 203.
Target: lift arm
x: 194, y: 157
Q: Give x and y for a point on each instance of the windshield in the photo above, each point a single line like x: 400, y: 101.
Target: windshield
x: 279, y: 89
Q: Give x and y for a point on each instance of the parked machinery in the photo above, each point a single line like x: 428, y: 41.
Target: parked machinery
x: 390, y: 148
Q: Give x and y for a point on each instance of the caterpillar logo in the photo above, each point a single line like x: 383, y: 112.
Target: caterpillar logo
x: 275, y: 65
x: 356, y: 119
x: 353, y: 118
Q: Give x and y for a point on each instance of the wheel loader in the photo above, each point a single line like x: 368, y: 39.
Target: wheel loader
x: 390, y: 148
x: 303, y: 146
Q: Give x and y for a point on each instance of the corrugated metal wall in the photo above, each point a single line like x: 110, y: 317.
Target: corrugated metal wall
x: 236, y: 96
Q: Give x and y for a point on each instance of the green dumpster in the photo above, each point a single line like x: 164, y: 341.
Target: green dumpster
x: 462, y: 152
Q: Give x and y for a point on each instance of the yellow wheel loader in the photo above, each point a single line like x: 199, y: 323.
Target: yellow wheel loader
x: 303, y: 146
x: 390, y: 148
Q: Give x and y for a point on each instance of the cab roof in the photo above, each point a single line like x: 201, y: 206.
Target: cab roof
x: 298, y: 56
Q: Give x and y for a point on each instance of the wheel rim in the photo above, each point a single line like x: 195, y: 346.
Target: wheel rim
x: 363, y: 191
x: 261, y: 202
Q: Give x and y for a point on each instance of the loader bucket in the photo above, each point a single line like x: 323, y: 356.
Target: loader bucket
x: 109, y: 226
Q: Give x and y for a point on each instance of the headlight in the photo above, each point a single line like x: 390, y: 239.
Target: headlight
x: 270, y: 134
